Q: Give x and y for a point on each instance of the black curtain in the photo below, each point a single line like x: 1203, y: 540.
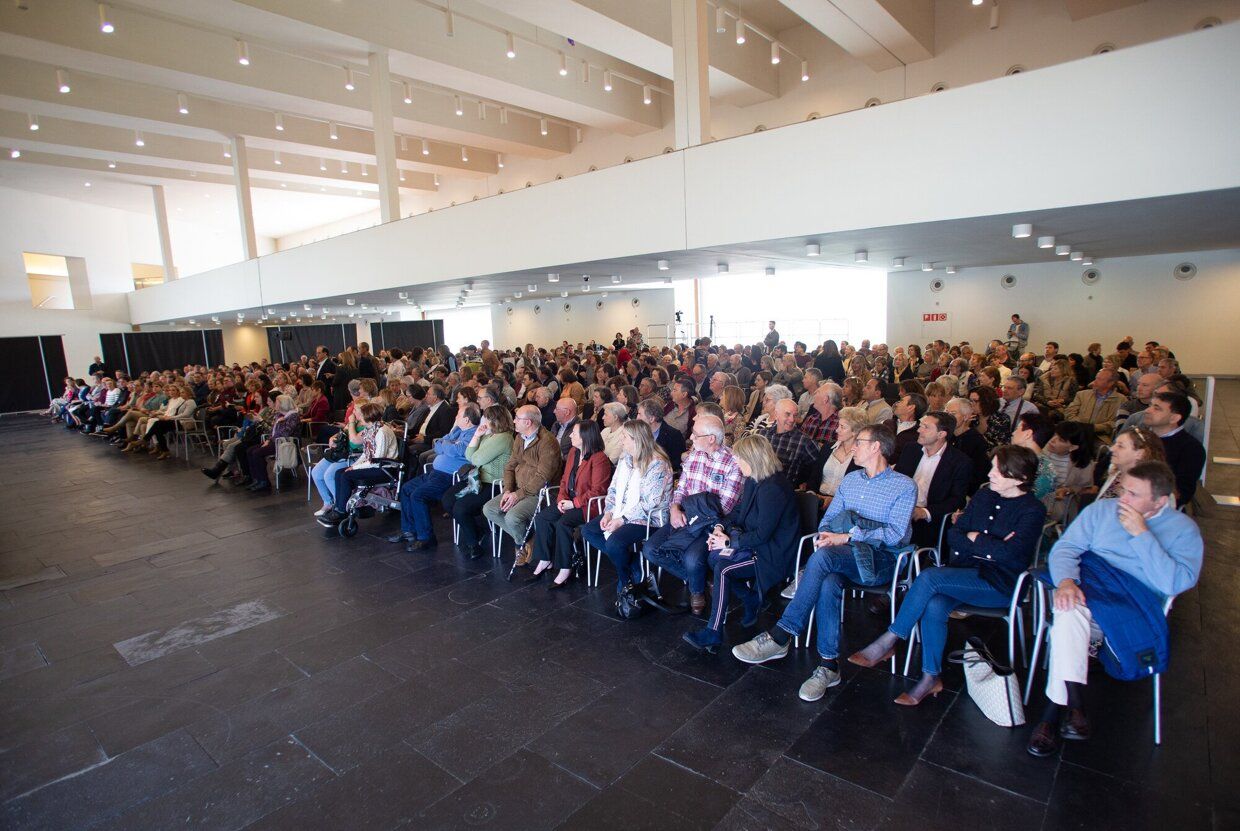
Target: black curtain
x: 406, y: 334
x: 34, y: 375
x: 215, y: 346
x: 302, y: 340
x: 113, y: 344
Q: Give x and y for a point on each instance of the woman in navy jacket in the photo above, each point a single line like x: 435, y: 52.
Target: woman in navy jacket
x: 756, y: 543
x: 992, y: 542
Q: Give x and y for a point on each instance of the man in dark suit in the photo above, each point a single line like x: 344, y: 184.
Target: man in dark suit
x: 438, y: 421
x: 1165, y: 417
x: 326, y: 369
x: 366, y: 362
x: 562, y: 428
x: 942, y: 474
x: 907, y: 413
x: 672, y: 441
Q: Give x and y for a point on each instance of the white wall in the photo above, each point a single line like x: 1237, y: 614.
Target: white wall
x: 585, y: 321
x: 1136, y: 296
x: 103, y: 237
x: 244, y: 344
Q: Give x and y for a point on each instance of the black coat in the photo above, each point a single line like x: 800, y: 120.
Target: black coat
x: 439, y: 424
x: 832, y: 369
x: 673, y: 443
x: 973, y: 445
x: 999, y: 560
x: 765, y: 521
x: 340, y: 387
x: 566, y: 440
x: 948, y: 492
x: 1186, y: 457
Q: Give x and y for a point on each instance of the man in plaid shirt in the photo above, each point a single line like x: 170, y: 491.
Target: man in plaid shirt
x: 823, y: 417
x: 709, y: 468
x: 796, y: 450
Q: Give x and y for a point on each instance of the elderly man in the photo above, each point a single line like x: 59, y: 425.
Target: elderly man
x: 1097, y: 406
x: 438, y: 421
x: 546, y: 406
x: 709, y: 468
x: 535, y: 462
x: 1142, y: 393
x: 1112, y: 570
x: 1012, y: 401
x: 416, y: 531
x: 823, y: 418
x: 771, y: 396
x: 565, y: 418
x: 877, y: 410
x: 795, y: 450
x: 866, y: 523
x: 671, y: 440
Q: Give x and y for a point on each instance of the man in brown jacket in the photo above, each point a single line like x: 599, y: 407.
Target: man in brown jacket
x: 1097, y: 406
x: 534, y: 463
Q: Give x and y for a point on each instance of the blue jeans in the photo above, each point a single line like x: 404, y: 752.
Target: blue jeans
x: 324, y: 476
x: 415, y: 515
x: 689, y: 564
x: 931, y: 599
x: 822, y: 587
x: 618, y: 548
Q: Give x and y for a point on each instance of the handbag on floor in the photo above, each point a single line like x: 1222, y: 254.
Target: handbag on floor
x: 629, y: 602
x: 993, y: 686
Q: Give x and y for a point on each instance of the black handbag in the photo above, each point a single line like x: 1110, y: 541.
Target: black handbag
x: 337, y: 451
x: 629, y: 602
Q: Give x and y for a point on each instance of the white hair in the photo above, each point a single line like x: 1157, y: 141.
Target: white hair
x: 777, y: 393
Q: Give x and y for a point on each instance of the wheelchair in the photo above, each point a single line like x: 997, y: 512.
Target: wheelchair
x: 373, y: 498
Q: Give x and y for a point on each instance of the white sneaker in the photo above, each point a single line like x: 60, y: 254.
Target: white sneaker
x: 816, y: 686
x: 323, y: 510
x: 791, y: 589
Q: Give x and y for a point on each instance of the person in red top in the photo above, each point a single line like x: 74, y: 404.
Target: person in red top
x: 587, y: 474
x: 623, y: 357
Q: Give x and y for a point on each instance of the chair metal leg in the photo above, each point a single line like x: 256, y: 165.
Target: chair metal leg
x: 1038, y: 635
x: 912, y: 641
x: 1157, y: 709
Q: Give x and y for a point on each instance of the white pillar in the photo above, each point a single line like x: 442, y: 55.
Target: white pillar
x: 245, y: 209
x: 690, y: 72
x: 165, y: 239
x: 385, y: 138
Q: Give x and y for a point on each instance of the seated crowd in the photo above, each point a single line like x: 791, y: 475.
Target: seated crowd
x: 708, y: 463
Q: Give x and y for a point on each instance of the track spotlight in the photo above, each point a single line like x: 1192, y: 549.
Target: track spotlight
x: 563, y: 65
x: 276, y: 156
x: 499, y: 160
x: 138, y: 141
x: 512, y: 47
x: 323, y: 165
x: 774, y: 52
x: 348, y: 79
x: 804, y: 70
x: 459, y: 108
x: 332, y: 132
x: 227, y: 150
x: 408, y: 89
x: 606, y: 80
x: 243, y: 53
x: 721, y: 20
x: 182, y: 104
x: 105, y: 20
x: 464, y: 154
x: 32, y: 121
x: 646, y: 99
x: 740, y: 31
x: 542, y: 126
x: 279, y: 123
x: 426, y: 147
x: 62, y: 82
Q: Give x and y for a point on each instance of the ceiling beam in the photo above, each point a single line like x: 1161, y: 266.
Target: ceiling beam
x: 473, y: 59
x: 97, y: 99
x: 905, y: 28
x: 827, y: 17
x: 141, y: 174
x: 175, y: 55
x: 739, y: 74
x: 104, y: 140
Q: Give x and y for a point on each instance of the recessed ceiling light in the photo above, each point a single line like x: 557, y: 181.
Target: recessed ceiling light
x: 1046, y: 242
x: 664, y: 265
x: 1022, y: 231
x: 32, y: 121
x: 812, y: 249
x: 927, y: 266
x: 1063, y: 250
x: 111, y: 165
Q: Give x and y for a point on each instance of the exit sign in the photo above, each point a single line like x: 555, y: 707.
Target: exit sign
x: 934, y: 317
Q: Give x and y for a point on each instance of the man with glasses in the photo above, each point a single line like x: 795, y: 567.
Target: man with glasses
x: 709, y: 468
x: 535, y: 462
x: 867, y: 522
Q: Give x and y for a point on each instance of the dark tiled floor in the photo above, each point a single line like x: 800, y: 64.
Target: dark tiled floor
x: 384, y: 690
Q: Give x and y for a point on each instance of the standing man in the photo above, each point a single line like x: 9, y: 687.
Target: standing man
x: 1018, y: 333
x: 772, y: 337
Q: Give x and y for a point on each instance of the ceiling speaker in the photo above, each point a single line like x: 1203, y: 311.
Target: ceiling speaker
x: 937, y: 284
x: 1008, y: 281
x: 1184, y: 271
x: 538, y: 310
x: 598, y: 304
x: 636, y: 301
x: 568, y: 307
x: 1090, y: 276
x: 510, y: 311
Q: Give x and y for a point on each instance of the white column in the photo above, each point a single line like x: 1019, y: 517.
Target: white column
x: 385, y: 138
x: 245, y: 209
x: 690, y: 71
x: 165, y: 239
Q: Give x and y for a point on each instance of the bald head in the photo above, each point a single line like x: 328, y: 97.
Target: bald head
x: 528, y: 420
x: 1146, y: 385
x: 565, y: 410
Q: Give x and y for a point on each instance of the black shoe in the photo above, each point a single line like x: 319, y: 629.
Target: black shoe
x: 214, y: 472
x: 422, y: 545
x: 554, y: 586
x: 536, y: 578
x: 260, y: 487
x: 1075, y: 726
x: 330, y: 519
x: 1042, y: 742
x: 478, y: 551
x: 403, y: 536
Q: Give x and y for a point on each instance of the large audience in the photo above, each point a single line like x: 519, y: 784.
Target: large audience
x: 708, y: 463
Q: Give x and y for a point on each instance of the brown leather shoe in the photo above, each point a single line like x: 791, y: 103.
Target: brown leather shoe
x: 1076, y: 726
x: 524, y: 554
x: 908, y: 700
x: 697, y: 603
x: 861, y: 661
x: 1042, y: 742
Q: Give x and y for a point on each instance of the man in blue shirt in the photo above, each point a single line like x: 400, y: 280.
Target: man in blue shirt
x: 1140, y: 534
x: 415, y: 517
x: 868, y: 521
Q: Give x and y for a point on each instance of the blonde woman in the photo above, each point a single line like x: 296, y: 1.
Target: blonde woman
x: 733, y: 403
x: 838, y: 462
x: 614, y: 414
x: 756, y: 542
x: 637, y: 500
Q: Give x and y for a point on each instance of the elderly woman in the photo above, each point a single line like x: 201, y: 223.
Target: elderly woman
x: 755, y: 543
x: 771, y: 396
x: 992, y: 542
x: 837, y: 461
x: 614, y: 416
x: 286, y: 424
x: 637, y: 500
x: 587, y: 474
x: 488, y: 451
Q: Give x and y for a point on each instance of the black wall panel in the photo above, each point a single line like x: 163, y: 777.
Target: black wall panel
x: 113, y: 355
x: 406, y: 334
x: 304, y: 339
x: 34, y: 374
x: 138, y: 352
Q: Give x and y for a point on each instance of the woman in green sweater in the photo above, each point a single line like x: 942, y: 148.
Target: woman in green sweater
x: 488, y: 452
